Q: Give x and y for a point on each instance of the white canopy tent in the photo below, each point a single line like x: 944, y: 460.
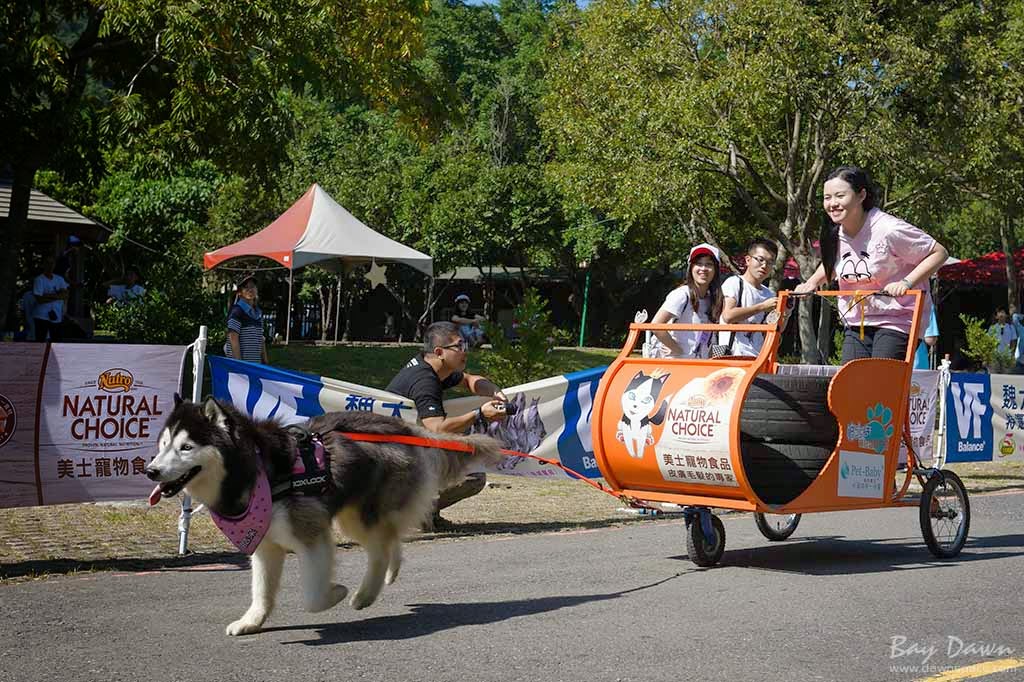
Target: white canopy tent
x: 314, y: 229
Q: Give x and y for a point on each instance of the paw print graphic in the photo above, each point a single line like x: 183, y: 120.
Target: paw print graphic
x: 879, y: 426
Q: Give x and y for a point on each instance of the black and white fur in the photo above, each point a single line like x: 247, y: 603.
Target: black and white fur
x: 381, y: 491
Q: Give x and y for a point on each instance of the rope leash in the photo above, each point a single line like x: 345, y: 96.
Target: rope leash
x: 459, y: 446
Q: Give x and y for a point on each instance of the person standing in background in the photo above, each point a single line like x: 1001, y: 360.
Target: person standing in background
x: 1004, y: 330
x: 127, y: 289
x: 1017, y: 320
x: 245, y: 325
x: 50, y: 291
x: 922, y: 356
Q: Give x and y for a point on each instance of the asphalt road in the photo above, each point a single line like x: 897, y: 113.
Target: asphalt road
x: 853, y: 596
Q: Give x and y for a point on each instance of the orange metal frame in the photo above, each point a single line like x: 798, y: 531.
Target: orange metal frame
x: 856, y: 388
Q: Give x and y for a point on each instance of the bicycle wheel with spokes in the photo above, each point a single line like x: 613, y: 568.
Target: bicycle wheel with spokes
x: 776, y: 527
x: 945, y: 514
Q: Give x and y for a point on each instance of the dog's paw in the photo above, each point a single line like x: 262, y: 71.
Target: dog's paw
x: 243, y: 626
x: 338, y: 593
x: 361, y: 601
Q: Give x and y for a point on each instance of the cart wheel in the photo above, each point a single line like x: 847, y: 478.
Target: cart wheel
x: 945, y: 514
x: 776, y: 527
x: 702, y: 552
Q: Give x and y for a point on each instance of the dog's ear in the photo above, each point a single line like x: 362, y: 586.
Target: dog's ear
x: 216, y: 414
x: 177, y: 399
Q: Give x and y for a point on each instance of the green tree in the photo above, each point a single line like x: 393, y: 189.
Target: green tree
x: 184, y: 76
x: 677, y: 108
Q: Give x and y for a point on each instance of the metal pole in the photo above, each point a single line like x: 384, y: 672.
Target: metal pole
x: 583, y: 318
x: 939, y: 449
x: 288, y: 317
x: 337, y: 310
x: 198, y: 365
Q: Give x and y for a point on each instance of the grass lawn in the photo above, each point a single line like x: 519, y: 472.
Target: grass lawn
x: 374, y: 366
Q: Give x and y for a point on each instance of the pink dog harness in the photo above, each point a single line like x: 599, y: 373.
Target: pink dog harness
x: 247, y: 530
x: 310, y: 475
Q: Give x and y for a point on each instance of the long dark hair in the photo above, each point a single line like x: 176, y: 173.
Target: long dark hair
x: 828, y: 237
x: 714, y: 291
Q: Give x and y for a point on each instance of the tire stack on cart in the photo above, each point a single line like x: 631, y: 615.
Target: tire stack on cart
x: 786, y: 435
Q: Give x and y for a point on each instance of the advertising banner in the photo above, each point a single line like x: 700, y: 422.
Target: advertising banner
x: 1007, y: 417
x: 86, y: 420
x: 552, y: 416
x: 969, y: 418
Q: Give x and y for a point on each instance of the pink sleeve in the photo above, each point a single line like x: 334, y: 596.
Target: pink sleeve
x: 909, y: 244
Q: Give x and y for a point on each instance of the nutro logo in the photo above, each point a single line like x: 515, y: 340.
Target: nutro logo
x: 116, y: 380
x: 8, y: 420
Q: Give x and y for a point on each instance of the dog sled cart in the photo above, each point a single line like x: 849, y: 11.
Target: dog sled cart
x: 733, y: 433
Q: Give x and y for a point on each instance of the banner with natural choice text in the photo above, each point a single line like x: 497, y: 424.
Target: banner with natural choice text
x: 79, y: 422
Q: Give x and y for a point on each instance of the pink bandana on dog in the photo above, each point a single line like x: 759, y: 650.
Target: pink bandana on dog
x: 247, y: 530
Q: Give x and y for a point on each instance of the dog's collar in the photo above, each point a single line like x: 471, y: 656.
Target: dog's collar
x: 247, y: 530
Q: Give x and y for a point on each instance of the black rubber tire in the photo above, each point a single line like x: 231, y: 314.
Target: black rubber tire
x: 779, y: 472
x: 697, y: 547
x: 788, y: 409
x: 773, y: 532
x: 934, y: 490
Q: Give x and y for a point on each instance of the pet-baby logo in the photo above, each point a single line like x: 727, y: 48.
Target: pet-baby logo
x: 115, y: 380
x: 875, y: 434
x: 638, y: 411
x: 8, y: 420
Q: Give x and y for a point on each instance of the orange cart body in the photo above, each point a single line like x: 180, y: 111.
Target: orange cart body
x: 685, y: 449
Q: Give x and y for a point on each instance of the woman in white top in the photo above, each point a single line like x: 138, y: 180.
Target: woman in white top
x: 698, y: 300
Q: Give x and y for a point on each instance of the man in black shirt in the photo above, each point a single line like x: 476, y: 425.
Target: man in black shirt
x: 441, y: 365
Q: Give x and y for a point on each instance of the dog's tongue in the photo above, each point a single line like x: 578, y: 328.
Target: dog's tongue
x: 155, y: 496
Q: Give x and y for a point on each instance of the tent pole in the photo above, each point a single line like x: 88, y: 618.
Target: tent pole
x: 337, y: 311
x: 288, y: 317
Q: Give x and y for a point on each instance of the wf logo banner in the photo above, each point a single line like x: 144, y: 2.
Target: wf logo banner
x: 969, y: 429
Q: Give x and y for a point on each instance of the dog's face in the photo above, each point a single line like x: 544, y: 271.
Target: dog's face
x: 190, y: 452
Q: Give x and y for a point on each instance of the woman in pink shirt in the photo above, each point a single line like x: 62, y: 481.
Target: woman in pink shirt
x: 868, y: 249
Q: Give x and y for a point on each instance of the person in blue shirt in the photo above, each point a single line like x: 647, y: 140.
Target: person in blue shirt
x: 931, y: 337
x: 1018, y: 324
x: 245, y: 325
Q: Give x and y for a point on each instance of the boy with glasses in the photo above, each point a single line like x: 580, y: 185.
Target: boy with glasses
x: 439, y: 366
x: 747, y: 300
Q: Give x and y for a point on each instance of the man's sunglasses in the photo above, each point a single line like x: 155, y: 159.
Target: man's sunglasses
x: 459, y: 346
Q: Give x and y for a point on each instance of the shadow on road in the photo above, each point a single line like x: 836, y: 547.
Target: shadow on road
x: 44, y: 567
x: 837, y: 555
x: 427, y: 619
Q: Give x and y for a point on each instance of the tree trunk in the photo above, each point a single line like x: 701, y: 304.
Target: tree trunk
x: 824, y: 331
x: 1009, y: 241
x: 350, y: 299
x: 810, y: 351
x: 11, y: 237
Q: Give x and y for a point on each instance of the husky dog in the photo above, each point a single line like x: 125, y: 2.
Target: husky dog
x: 378, y: 492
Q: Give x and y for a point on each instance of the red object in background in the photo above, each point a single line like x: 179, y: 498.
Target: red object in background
x: 989, y: 269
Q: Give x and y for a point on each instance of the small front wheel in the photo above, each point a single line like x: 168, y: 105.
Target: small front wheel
x: 776, y: 527
x: 945, y: 514
x: 702, y: 552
